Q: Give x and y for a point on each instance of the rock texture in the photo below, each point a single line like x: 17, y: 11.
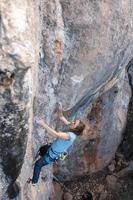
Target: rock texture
x: 91, y: 36
x: 126, y: 146
x: 96, y: 148
x: 85, y: 47
x: 18, y: 58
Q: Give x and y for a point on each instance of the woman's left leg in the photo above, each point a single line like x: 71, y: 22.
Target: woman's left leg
x: 37, y: 169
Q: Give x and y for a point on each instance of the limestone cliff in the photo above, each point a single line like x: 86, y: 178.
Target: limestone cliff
x: 18, y: 61
x: 71, y: 51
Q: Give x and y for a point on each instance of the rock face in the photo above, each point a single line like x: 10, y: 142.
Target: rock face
x: 86, y: 54
x: 107, y: 118
x: 18, y: 58
x: 81, y: 37
x: 126, y: 146
x: 84, y: 49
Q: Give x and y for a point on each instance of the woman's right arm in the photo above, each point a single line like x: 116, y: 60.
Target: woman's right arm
x: 62, y: 118
x: 53, y: 132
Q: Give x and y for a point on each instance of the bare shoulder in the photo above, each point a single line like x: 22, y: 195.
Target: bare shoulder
x: 63, y: 135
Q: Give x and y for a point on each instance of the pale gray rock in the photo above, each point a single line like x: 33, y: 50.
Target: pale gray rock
x: 18, y: 58
x: 111, y: 181
x: 107, y: 117
x: 67, y: 196
x: 103, y: 195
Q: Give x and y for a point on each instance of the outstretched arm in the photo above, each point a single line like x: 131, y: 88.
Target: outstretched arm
x: 53, y: 132
x: 62, y: 118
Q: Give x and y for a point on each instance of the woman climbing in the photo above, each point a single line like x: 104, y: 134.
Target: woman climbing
x: 60, y: 145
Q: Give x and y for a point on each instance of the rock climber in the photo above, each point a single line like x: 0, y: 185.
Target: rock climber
x: 63, y: 141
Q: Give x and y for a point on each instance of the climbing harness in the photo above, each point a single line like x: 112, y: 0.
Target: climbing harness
x: 63, y: 156
x: 44, y: 149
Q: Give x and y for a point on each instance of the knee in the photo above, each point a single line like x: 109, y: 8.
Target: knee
x: 39, y: 163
